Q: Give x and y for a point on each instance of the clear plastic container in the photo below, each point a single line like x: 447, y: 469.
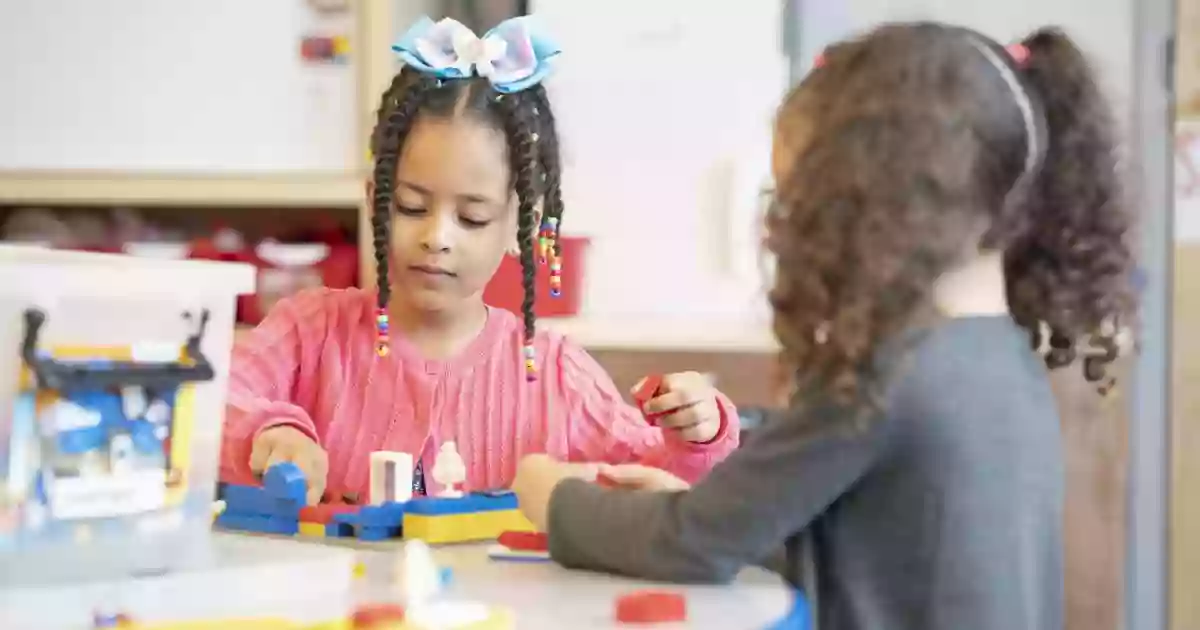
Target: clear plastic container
x: 111, y: 399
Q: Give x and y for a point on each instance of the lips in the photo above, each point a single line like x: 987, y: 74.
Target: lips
x: 431, y: 270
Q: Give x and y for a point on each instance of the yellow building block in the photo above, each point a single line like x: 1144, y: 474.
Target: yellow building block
x: 470, y: 527
x: 313, y: 530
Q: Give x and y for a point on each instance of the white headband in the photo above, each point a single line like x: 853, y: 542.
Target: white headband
x: 1023, y: 103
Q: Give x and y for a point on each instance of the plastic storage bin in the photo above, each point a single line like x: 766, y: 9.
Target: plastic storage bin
x: 111, y: 400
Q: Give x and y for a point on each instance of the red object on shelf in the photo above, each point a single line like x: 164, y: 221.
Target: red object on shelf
x: 506, y: 290
x: 284, y: 269
x: 651, y: 607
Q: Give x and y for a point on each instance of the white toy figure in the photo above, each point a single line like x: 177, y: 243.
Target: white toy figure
x: 420, y: 587
x: 449, y: 470
x: 420, y: 580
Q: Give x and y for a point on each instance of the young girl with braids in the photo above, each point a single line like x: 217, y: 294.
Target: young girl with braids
x: 941, y: 200
x: 466, y: 165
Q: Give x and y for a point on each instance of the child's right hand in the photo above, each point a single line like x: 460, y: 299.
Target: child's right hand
x: 286, y: 444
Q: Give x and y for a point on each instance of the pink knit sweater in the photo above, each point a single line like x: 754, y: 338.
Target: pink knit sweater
x: 311, y: 364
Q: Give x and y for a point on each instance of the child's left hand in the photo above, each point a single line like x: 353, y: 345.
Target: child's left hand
x: 535, y: 480
x: 686, y: 403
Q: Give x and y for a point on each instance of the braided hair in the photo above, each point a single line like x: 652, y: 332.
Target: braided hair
x: 527, y: 122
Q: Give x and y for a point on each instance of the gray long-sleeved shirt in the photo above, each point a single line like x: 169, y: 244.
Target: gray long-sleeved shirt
x: 942, y: 513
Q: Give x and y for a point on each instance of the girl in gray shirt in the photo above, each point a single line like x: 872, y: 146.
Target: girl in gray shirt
x: 942, y: 201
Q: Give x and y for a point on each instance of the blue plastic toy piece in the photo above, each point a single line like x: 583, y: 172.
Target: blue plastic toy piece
x: 434, y: 506
x: 334, y: 529
x: 447, y: 576
x: 254, y: 501
x: 286, y: 481
x: 261, y: 524
x: 372, y: 534
x: 389, y: 514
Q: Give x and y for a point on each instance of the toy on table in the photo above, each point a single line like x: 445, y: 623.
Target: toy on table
x: 521, y: 547
x: 278, y: 508
x: 99, y: 440
x: 421, y: 589
x: 642, y: 607
x: 449, y: 470
x: 272, y: 509
x: 391, y: 477
x: 647, y: 390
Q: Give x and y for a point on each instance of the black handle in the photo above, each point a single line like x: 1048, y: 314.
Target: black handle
x: 69, y: 375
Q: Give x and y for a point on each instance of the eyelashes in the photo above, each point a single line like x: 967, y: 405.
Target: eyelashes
x: 413, y: 211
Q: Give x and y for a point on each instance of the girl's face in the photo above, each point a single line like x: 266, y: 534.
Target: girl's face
x: 454, y: 215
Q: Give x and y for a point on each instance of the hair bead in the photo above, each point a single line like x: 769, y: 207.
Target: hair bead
x: 382, y: 345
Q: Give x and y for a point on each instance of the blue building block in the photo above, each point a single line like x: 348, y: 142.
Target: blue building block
x: 249, y: 500
x: 286, y: 481
x: 370, y: 533
x: 333, y: 529
x: 437, y: 506
x: 386, y: 515
x: 260, y: 524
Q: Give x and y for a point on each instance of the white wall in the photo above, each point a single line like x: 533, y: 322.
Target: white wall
x: 193, y: 86
x: 666, y: 108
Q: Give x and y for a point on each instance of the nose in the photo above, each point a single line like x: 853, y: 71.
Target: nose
x: 437, y: 233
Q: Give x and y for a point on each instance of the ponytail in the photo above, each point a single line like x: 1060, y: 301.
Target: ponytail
x: 1070, y: 273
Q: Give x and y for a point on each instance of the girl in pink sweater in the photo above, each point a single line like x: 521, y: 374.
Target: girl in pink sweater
x: 466, y: 165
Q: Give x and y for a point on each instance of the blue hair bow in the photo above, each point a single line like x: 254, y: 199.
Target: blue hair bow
x: 511, y: 56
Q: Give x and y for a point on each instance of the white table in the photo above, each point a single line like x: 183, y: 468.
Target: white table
x: 546, y: 596
x: 309, y: 580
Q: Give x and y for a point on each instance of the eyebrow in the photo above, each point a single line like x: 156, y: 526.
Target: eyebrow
x: 468, y: 197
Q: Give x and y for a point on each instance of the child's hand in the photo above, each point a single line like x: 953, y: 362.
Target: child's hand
x: 285, y: 444
x: 537, y: 475
x: 638, y: 477
x: 685, y: 402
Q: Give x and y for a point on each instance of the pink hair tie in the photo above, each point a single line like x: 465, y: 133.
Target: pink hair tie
x: 1019, y: 53
x: 819, y: 61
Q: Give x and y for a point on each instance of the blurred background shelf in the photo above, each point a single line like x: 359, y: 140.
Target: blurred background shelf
x: 66, y: 188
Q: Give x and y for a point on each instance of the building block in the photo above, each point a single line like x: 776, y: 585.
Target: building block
x: 391, y: 477
x: 651, y: 607
x: 324, y: 512
x: 258, y: 523
x: 257, y: 501
x: 339, y: 530
x: 464, y: 527
x: 385, y: 515
x: 501, y: 553
x: 648, y: 389
x: 285, y: 481
x: 371, y: 615
x: 474, y: 502
x: 372, y: 533
x: 311, y: 530
x: 525, y: 541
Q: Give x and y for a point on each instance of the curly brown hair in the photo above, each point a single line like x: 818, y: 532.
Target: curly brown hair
x: 908, y: 155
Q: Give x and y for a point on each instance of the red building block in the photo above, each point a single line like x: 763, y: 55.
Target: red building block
x: 651, y: 607
x: 651, y: 387
x: 524, y: 541
x: 366, y: 617
x: 324, y: 512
